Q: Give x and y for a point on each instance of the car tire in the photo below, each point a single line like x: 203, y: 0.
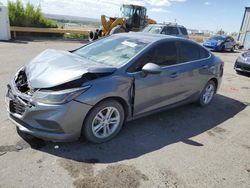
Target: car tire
x: 232, y: 49
x: 93, y: 35
x: 97, y: 127
x: 207, y: 94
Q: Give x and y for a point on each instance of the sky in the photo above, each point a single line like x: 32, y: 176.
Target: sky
x: 193, y: 14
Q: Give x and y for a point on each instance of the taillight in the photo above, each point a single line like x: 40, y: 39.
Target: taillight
x: 221, y: 68
x: 222, y: 65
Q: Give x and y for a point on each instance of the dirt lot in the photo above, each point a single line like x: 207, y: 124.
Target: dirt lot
x: 185, y: 147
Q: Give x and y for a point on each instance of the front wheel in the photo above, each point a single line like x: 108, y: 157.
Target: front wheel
x: 104, y: 121
x: 207, y: 94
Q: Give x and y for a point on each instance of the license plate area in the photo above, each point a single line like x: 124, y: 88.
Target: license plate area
x: 13, y: 104
x: 16, y: 107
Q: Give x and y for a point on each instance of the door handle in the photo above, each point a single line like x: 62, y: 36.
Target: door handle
x: 174, y: 75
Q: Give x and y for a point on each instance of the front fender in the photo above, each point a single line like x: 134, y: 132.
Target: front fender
x: 106, y: 87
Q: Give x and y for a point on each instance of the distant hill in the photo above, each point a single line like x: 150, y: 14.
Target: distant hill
x: 67, y: 18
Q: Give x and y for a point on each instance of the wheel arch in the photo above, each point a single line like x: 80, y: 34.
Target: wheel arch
x: 125, y: 105
x: 215, y: 81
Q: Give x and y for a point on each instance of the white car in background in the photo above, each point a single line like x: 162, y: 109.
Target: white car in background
x: 167, y: 29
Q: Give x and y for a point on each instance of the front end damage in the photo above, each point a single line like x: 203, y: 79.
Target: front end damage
x: 51, y: 96
x: 56, y: 122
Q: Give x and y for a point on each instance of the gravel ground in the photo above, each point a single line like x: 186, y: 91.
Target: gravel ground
x: 187, y: 146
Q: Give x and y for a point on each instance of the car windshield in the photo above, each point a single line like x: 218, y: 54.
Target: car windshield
x: 153, y: 29
x: 219, y: 38
x: 113, y: 50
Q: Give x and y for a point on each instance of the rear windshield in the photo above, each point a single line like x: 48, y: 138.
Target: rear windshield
x: 153, y: 29
x: 113, y: 50
x: 170, y: 30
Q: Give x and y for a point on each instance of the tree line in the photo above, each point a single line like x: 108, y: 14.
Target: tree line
x: 28, y: 15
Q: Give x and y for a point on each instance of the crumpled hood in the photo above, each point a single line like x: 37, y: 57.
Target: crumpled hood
x: 54, y: 67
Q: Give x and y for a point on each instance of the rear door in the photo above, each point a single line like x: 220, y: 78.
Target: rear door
x: 193, y: 65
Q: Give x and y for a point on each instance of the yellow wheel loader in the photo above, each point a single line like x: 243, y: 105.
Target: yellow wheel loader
x: 133, y: 18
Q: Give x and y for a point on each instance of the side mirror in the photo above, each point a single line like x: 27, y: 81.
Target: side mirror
x: 151, y: 68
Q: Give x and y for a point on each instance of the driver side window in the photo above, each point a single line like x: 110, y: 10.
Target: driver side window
x: 163, y: 54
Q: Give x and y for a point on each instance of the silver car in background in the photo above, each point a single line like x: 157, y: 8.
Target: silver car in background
x: 93, y: 90
x: 172, y: 29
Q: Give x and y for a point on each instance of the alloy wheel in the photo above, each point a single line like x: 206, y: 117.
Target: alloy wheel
x: 106, y: 122
x: 208, y: 94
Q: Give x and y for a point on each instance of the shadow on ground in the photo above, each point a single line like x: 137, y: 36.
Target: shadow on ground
x: 150, y: 133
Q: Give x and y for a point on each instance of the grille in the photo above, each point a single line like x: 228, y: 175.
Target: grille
x: 17, y: 107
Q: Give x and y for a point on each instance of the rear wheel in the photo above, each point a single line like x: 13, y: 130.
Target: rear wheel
x: 104, y: 121
x: 117, y: 29
x: 207, y: 94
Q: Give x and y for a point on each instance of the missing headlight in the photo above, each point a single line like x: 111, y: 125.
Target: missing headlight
x: 21, y: 82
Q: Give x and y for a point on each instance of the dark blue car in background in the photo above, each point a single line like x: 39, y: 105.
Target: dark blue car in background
x: 220, y: 43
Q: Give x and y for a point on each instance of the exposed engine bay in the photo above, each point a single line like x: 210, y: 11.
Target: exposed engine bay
x: 22, y: 83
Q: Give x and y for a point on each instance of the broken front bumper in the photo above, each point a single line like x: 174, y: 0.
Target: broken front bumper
x: 49, y: 122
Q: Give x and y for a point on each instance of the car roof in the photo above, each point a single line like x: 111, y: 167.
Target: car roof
x: 148, y: 37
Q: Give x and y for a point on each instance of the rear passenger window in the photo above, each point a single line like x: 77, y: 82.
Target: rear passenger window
x: 170, y: 31
x: 183, y: 30
x: 188, y: 52
x: 203, y: 53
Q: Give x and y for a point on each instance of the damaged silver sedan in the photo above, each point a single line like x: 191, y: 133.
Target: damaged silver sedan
x: 93, y: 90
